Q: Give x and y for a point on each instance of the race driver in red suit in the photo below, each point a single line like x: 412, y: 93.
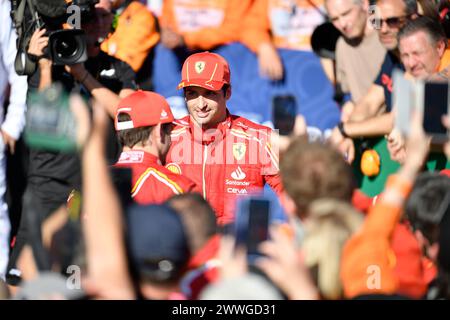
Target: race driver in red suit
x: 227, y: 156
x: 143, y: 122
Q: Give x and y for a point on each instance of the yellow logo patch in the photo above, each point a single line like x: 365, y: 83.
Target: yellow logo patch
x: 239, y: 150
x: 173, y: 167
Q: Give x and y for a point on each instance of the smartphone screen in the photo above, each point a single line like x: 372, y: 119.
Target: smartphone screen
x: 435, y: 106
x: 252, y: 225
x: 258, y: 230
x: 284, y: 113
x: 402, y: 101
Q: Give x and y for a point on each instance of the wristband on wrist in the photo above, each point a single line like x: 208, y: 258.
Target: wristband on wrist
x: 84, y: 77
x: 34, y: 58
x: 342, y: 130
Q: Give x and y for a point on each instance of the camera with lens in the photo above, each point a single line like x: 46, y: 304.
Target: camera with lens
x: 65, y: 46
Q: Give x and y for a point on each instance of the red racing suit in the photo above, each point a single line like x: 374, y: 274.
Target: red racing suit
x: 152, y: 183
x: 233, y: 159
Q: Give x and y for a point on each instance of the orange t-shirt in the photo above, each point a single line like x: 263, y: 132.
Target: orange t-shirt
x: 134, y: 36
x: 368, y: 261
x: 205, y: 24
x: 445, y: 60
x: 287, y: 24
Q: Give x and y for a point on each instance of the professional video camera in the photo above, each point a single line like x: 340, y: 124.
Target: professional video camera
x: 66, y: 46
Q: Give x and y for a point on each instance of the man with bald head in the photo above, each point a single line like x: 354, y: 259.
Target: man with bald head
x: 359, y: 53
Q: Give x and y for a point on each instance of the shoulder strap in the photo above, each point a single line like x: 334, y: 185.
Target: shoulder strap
x: 22, y: 64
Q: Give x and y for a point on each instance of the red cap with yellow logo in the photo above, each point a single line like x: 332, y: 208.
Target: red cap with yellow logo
x: 145, y: 109
x: 205, y: 69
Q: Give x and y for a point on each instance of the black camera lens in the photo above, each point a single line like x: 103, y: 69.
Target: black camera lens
x: 66, y: 47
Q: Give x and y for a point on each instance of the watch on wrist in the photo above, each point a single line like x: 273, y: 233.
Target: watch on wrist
x: 342, y: 130
x: 34, y: 57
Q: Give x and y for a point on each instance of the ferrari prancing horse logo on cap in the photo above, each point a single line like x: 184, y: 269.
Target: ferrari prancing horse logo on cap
x: 199, y: 66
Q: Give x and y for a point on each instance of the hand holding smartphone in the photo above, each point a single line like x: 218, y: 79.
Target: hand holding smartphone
x: 436, y: 105
x: 284, y: 113
x: 430, y: 98
x: 252, y: 225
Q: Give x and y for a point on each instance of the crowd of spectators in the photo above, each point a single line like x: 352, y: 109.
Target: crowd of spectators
x: 145, y: 205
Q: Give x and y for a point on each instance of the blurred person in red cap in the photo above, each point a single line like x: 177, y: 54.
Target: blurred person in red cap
x: 224, y: 154
x: 141, y: 252
x: 143, y: 122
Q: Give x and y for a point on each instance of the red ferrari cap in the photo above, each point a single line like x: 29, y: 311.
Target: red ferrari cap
x: 145, y: 109
x: 205, y: 69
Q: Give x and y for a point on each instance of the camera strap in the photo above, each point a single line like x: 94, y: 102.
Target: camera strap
x: 22, y: 63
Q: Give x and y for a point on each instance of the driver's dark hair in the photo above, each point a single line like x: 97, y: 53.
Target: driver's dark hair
x: 131, y: 137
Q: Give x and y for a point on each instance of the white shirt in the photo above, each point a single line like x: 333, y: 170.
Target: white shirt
x: 14, y: 121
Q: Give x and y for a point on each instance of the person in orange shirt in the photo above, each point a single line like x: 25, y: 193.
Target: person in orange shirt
x: 134, y: 36
x: 203, y: 25
x: 368, y: 261
x: 273, y: 24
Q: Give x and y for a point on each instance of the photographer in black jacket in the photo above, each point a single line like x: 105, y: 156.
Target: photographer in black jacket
x: 53, y: 175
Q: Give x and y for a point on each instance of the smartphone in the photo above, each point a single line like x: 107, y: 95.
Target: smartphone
x: 252, y: 225
x: 284, y: 112
x: 429, y: 98
x: 402, y: 101
x: 50, y: 124
x: 435, y: 105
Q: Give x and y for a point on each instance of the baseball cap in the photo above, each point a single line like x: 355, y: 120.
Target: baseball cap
x: 157, y: 242
x: 205, y: 69
x: 145, y: 109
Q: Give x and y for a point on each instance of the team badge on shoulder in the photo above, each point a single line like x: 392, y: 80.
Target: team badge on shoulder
x: 173, y: 167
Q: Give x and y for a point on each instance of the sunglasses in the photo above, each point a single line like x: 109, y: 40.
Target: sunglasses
x: 393, y: 22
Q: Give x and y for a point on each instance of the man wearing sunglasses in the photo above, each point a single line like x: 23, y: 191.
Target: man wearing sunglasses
x: 388, y: 17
